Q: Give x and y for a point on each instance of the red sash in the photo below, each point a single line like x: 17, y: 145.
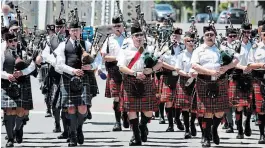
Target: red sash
x: 136, y: 57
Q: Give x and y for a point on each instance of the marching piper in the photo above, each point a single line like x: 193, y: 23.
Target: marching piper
x: 138, y: 88
x: 110, y: 51
x: 76, y: 82
x: 211, y: 85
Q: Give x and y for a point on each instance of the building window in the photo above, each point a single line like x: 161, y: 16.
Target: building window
x: 84, y: 14
x: 69, y: 4
x: 54, y: 6
x: 30, y: 2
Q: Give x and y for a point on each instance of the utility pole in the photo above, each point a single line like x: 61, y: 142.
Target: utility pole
x: 194, y: 7
x: 216, y: 6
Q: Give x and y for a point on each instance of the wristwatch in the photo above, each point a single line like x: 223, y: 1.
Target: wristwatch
x: 135, y: 74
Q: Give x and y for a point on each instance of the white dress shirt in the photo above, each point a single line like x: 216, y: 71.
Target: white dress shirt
x: 184, y: 61
x: 6, y: 20
x: 243, y: 56
x: 114, y: 45
x: 61, y: 57
x: 257, y: 55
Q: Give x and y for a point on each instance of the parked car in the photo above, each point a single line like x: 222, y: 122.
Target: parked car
x: 222, y: 19
x: 236, y: 16
x: 161, y: 11
x: 202, y: 18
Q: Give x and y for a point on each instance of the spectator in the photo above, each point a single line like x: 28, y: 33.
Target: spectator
x: 6, y: 13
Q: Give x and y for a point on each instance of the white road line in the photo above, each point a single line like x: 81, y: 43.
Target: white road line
x: 43, y: 112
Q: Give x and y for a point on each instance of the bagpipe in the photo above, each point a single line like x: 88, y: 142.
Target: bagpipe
x: 121, y: 16
x: 194, y: 30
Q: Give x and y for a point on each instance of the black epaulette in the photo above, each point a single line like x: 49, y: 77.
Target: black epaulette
x: 125, y: 45
x: 254, y: 46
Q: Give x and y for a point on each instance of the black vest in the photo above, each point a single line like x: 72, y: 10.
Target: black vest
x: 73, y: 55
x: 9, y: 63
x: 54, y: 42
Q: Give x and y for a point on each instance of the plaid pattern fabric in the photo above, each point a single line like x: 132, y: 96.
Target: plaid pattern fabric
x: 209, y: 105
x: 167, y: 94
x: 259, y: 100
x: 25, y: 99
x: 157, y: 83
x: 130, y: 103
x: 112, y: 88
x: 237, y: 97
x: 93, y: 83
x: 56, y: 96
x: 73, y: 99
x: 43, y: 72
x: 194, y: 106
x: 183, y: 99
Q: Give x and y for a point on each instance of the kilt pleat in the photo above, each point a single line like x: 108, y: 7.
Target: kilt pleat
x: 75, y: 99
x: 56, y: 96
x: 112, y: 88
x: 259, y: 100
x: 167, y: 94
x: 131, y: 103
x: 183, y: 99
x: 25, y: 99
x: 93, y: 83
x: 212, y: 105
x: 237, y: 97
x: 43, y: 72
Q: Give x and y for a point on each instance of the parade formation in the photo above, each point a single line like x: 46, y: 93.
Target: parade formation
x: 149, y: 69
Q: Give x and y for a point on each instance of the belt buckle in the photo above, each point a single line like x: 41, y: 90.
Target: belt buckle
x: 213, y: 78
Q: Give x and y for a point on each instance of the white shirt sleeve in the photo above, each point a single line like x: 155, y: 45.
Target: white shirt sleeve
x: 4, y: 74
x: 250, y: 58
x: 29, y: 69
x: 61, y: 59
x: 47, y: 57
x: 104, y: 47
x: 121, y: 58
x: 97, y: 61
x: 179, y: 64
x: 195, y: 57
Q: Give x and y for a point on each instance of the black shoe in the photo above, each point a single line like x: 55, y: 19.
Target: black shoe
x: 89, y: 115
x: 48, y: 113
x: 73, y: 140
x: 19, y: 136
x: 135, y: 142
x: 57, y: 128
x: 206, y: 143
x: 193, y: 129
x: 262, y: 139
x: 80, y: 135
x: 64, y: 135
x: 143, y: 130
x: 179, y: 124
x: 157, y: 114
x: 187, y: 135
x: 117, y: 127
x: 170, y: 129
x: 230, y: 129
x: 10, y: 143
x: 162, y: 121
x: 248, y: 131
x: 215, y: 136
x: 68, y: 139
x: 240, y: 136
x: 6, y: 137
x: 125, y: 119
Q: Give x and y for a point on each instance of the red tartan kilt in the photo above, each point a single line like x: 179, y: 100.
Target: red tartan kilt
x: 112, y: 89
x: 209, y: 105
x: 183, y: 100
x: 237, y: 97
x: 157, y: 83
x: 260, y: 103
x: 130, y: 103
x: 167, y: 94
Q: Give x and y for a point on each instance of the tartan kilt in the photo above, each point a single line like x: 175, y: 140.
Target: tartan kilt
x: 112, y: 88
x: 194, y: 106
x: 167, y: 94
x: 237, y: 97
x: 157, y: 82
x: 259, y: 100
x: 130, y: 103
x: 25, y: 99
x: 56, y: 95
x: 183, y: 100
x: 43, y: 72
x: 209, y: 105
x: 93, y: 83
x: 73, y: 99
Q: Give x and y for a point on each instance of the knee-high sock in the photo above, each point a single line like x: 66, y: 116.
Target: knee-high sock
x: 10, y: 123
x: 56, y: 114
x: 161, y: 110
x: 239, y: 121
x: 229, y: 116
x: 193, y: 117
x: 216, y: 122
x: 73, y: 122
x: 117, y: 111
x: 169, y: 116
x: 207, y: 122
x: 144, y: 120
x: 64, y: 120
x: 81, y: 119
x: 19, y: 122
x: 186, y: 120
x: 200, y: 120
x: 177, y: 113
x: 135, y: 127
x: 261, y: 125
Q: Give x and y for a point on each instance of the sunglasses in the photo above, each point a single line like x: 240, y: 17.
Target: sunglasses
x: 190, y: 41
x: 117, y: 26
x: 138, y: 34
x: 59, y: 27
x: 232, y: 36
x: 247, y: 32
x: 12, y: 40
x: 209, y: 34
